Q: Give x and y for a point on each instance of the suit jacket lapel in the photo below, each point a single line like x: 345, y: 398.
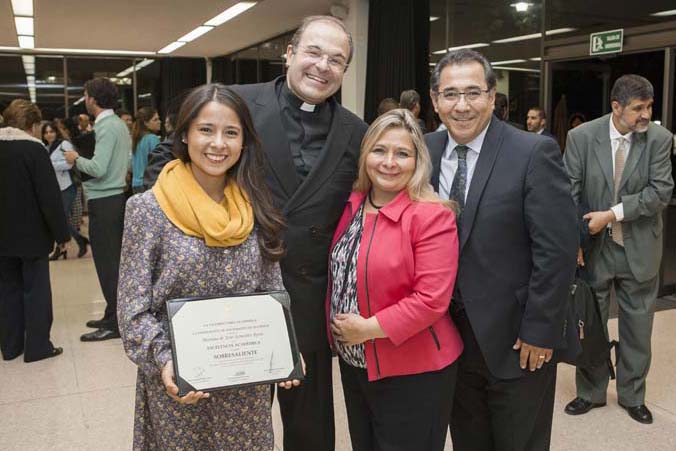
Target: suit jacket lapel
x: 482, y: 171
x: 604, y: 154
x: 336, y: 143
x: 437, y: 145
x: 267, y: 120
x: 638, y: 145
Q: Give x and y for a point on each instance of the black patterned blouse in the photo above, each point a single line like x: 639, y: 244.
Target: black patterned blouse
x: 344, y: 279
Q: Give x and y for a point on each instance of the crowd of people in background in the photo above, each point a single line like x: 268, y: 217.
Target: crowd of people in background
x: 477, y: 221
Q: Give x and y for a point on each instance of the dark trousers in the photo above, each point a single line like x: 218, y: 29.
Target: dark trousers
x: 106, y: 224
x: 499, y: 414
x: 399, y: 413
x: 25, y: 308
x: 307, y: 410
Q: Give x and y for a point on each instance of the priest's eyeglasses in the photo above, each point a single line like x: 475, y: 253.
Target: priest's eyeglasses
x: 471, y: 95
x: 316, y: 54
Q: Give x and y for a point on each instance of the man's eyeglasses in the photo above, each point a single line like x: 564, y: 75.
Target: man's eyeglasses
x: 316, y: 54
x: 471, y: 95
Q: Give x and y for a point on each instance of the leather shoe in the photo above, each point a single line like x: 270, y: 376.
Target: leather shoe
x: 578, y: 406
x: 100, y: 335
x: 99, y: 323
x: 639, y: 413
x: 55, y: 352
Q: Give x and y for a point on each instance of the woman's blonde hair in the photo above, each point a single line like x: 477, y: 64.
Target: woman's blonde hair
x: 418, y: 187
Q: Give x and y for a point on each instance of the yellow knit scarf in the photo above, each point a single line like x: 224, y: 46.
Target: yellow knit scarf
x: 191, y: 209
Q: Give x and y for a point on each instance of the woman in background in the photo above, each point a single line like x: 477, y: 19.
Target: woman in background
x: 33, y: 219
x: 144, y: 139
x: 57, y: 144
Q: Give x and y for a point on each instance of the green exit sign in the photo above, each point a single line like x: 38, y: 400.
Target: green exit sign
x: 606, y: 42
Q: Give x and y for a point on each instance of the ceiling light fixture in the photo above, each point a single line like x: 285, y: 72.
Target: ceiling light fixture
x: 526, y: 37
x: 24, y: 26
x: 671, y: 12
x: 138, y: 66
x: 26, y: 42
x: 434, y: 18
x: 521, y: 7
x: 171, y: 47
x: 194, y: 34
x: 229, y: 13
x: 468, y: 46
x: 497, y: 63
x: 95, y: 51
x: 22, y: 7
x: 516, y: 69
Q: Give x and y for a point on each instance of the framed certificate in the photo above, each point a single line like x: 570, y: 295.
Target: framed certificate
x: 232, y: 341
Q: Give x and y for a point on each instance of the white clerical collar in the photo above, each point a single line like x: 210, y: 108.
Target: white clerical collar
x: 308, y: 107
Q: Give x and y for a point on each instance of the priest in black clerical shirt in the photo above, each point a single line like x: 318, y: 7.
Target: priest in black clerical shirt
x: 306, y: 125
x: 312, y: 147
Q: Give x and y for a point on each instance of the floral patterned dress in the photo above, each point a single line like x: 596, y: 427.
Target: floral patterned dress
x: 158, y: 263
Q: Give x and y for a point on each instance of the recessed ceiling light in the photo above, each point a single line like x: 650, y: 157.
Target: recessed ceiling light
x: 671, y: 12
x: 495, y: 63
x: 26, y: 42
x: 468, y: 46
x: 516, y: 69
x: 94, y: 51
x: 171, y: 47
x: 230, y: 13
x: 521, y: 7
x: 194, y: 34
x: 22, y: 7
x: 526, y: 37
x: 24, y: 26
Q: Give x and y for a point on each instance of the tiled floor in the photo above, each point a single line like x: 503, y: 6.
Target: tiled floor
x: 83, y: 400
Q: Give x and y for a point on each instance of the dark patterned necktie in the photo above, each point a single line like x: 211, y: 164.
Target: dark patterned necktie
x: 460, y: 180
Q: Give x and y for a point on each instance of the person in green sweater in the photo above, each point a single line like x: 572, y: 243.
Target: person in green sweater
x: 106, y: 199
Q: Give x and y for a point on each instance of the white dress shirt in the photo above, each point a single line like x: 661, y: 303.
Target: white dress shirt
x: 449, y: 163
x: 618, y: 209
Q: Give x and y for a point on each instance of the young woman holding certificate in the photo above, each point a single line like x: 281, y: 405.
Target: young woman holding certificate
x: 207, y: 228
x: 392, y: 269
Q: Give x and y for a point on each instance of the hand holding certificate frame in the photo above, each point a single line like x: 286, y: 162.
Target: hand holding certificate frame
x: 232, y: 341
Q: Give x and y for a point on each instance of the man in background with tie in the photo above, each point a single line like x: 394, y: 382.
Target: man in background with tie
x: 518, y: 239
x: 619, y: 166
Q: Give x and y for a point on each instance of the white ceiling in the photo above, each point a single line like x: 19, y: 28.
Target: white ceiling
x: 149, y: 25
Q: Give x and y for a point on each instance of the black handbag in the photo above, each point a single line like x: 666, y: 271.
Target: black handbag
x: 590, y: 329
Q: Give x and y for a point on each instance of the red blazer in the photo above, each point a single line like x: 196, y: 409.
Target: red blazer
x: 408, y: 258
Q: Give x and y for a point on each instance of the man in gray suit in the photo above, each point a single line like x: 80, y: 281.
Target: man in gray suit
x: 619, y: 166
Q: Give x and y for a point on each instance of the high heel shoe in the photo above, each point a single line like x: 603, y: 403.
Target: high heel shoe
x: 58, y: 252
x: 83, y: 247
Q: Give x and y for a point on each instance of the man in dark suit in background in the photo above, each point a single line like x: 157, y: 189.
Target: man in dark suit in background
x: 536, y: 121
x: 619, y: 166
x: 518, y: 242
x: 312, y: 144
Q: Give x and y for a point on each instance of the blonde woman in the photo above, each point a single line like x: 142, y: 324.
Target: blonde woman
x: 392, y: 268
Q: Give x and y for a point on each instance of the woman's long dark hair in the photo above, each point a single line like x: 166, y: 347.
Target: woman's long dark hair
x: 249, y: 171
x: 139, y: 129
x: 57, y: 141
